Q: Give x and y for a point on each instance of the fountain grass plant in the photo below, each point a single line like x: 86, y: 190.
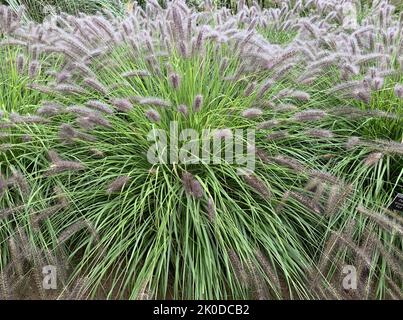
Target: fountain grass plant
x: 78, y: 190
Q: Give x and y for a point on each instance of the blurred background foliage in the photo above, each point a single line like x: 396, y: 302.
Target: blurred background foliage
x: 38, y: 9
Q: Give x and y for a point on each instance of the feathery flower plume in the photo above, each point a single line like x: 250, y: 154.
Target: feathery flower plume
x: 20, y: 64
x: 331, y: 245
x: 153, y: 101
x: 183, y: 109
x: 282, y: 72
x: 367, y: 58
x: 64, y: 166
x: 373, y: 158
x: 80, y: 110
x: 268, y: 124
x: 61, y: 197
x: 249, y: 89
x: 70, y: 231
x: 346, y: 86
x: 83, y: 68
x: 258, y: 185
x: 319, y: 133
x: 294, y: 94
x: 54, y: 156
x: 222, y: 133
x: 68, y: 134
x: 363, y: 95
x: 45, y: 214
x: 377, y: 83
x: 238, y: 267
x: 97, y: 153
x: 362, y: 254
x: 309, y: 115
x: 256, y: 282
x: 123, y: 105
x: 191, y: 185
x: 306, y: 201
x: 211, y: 210
x: 252, y: 113
x: 264, y: 87
x: 284, y: 107
x: 381, y: 220
x: 49, y: 109
x: 337, y: 196
x: 95, y: 85
x: 352, y: 143
x: 33, y: 69
x: 21, y: 182
x: 197, y: 103
x: 104, y: 24
x: 3, y: 185
x: 177, y: 19
x: 16, y: 119
x: 325, y: 176
x: 99, y: 106
x: 399, y: 91
x: 174, y: 79
x: 79, y: 289
x: 117, y: 185
x: 17, y: 257
x: 69, y: 89
x: 40, y: 88
x: 277, y: 135
x: 63, y: 76
x: 5, y: 213
x: 223, y: 65
x: 183, y: 49
x: 91, y: 121
x: 137, y: 73
x: 388, y: 146
x: 5, y: 287
x: 262, y: 155
x: 268, y: 269
x: 392, y: 259
x: 199, y: 41
x: 153, y: 115
x: 289, y: 162
x: 319, y: 191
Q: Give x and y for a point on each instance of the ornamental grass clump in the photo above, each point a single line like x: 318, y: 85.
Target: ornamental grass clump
x: 125, y: 169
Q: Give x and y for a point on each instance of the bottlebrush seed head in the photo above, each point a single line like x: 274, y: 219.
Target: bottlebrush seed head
x: 373, y: 158
x: 117, y: 185
x: 252, y: 113
x: 64, y: 166
x: 153, y: 115
x: 352, y: 143
x: 95, y: 85
x: 319, y: 133
x: 268, y: 124
x: 399, y: 91
x: 258, y: 185
x: 20, y: 63
x: 223, y: 133
x: 309, y: 115
x: 174, y: 79
x: 99, y: 106
x: 122, y: 104
x: 191, y: 185
x: 197, y: 103
x: 153, y: 101
x: 377, y: 83
x: 183, y: 109
x: 33, y: 69
x: 278, y: 135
